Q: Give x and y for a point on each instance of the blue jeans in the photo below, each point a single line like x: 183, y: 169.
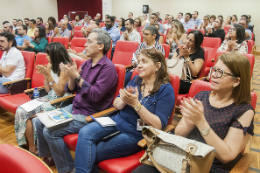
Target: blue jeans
x: 91, y: 149
x: 50, y: 142
x: 3, y: 89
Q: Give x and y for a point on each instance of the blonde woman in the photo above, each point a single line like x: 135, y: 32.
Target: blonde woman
x: 176, y: 36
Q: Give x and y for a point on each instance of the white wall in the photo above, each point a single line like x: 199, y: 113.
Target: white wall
x: 106, y: 8
x: 121, y: 8
x: 19, y: 9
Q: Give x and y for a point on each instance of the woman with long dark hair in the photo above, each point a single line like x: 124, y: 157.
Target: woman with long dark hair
x: 54, y: 85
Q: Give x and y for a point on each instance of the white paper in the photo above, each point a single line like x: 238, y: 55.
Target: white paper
x: 31, y: 105
x: 48, y: 121
x: 105, y: 121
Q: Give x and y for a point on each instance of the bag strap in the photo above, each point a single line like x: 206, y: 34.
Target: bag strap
x: 175, y: 63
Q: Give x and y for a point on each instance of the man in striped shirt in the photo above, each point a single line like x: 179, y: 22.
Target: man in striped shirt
x: 130, y: 34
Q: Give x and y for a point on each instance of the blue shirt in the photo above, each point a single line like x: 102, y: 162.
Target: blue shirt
x: 161, y: 28
x: 161, y: 104
x: 116, y: 25
x: 196, y: 22
x: 189, y: 25
x: 19, y: 39
x: 114, y: 34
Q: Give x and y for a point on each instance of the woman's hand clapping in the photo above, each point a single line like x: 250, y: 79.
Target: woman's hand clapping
x: 129, y: 95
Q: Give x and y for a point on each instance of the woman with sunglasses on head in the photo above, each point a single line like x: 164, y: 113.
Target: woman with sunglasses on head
x: 221, y: 118
x: 54, y: 84
x: 148, y: 98
x: 235, y: 40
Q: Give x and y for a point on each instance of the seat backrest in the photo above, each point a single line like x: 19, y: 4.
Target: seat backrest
x: 62, y: 40
x: 49, y: 39
x: 253, y: 36
x: 142, y: 36
x: 211, y: 56
x: 110, y: 50
x: 120, y: 69
x: 166, y: 48
x: 201, y: 30
x: 1, y: 53
x: 251, y: 59
x: 37, y: 78
x: 250, y: 44
x: 78, y: 43
x: 124, y: 52
x: 29, y: 63
x: 164, y: 38
x: 202, y: 71
x: 226, y: 28
x: 212, y: 42
x: 77, y: 28
x: 78, y: 33
x: 79, y: 61
x: 253, y: 99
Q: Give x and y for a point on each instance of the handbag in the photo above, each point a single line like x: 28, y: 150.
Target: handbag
x: 179, y: 67
x: 175, y: 154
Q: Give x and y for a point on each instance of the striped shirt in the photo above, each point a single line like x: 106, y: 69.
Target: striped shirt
x: 133, y: 36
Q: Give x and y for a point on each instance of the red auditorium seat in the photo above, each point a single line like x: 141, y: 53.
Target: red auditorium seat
x: 62, y: 40
x: 250, y: 44
x: 129, y: 163
x: 166, y: 48
x: 77, y: 28
x: 226, y: 28
x: 49, y: 39
x: 201, y: 30
x: 142, y: 36
x: 1, y: 53
x: 77, y: 44
x: 101, y: 24
x: 71, y: 140
x: 78, y: 33
x: 253, y: 36
x: 164, y: 38
x: 14, y: 159
x: 124, y: 52
x: 110, y: 50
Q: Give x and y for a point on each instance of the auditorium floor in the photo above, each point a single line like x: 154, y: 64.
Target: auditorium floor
x: 7, y: 134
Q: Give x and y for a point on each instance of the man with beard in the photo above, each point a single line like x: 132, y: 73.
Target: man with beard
x: 130, y: 34
x: 112, y: 31
x: 7, y: 27
x: 77, y: 21
x: 21, y: 31
x: 12, y: 63
x: 26, y: 22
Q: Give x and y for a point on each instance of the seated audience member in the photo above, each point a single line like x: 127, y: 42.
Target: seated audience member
x: 176, y: 37
x: 145, y: 20
x: 138, y: 25
x: 63, y: 31
x: 168, y: 24
x: 212, y: 19
x: 94, y: 85
x: 187, y: 24
x: 65, y: 16
x: 193, y: 55
x: 180, y: 17
x: 19, y: 23
x: 7, y: 27
x: 228, y: 21
x: 54, y: 84
x: 159, y: 38
x: 159, y: 19
x: 248, y: 32
x: 245, y: 17
x: 130, y: 34
x: 115, y: 24
x: 234, y: 19
x: 94, y: 22
x: 53, y: 20
x: 221, y: 17
x: 22, y: 30
x: 205, y: 24
x: 217, y: 31
x: 67, y: 21
x: 134, y: 105
x: 112, y: 31
x: 49, y: 29
x: 130, y: 15
x: 166, y: 18
x: 77, y: 21
x: 150, y: 33
x: 87, y: 30
x: 86, y: 20
x: 235, y: 40
x: 153, y: 20
x: 32, y: 24
x: 26, y: 22
x: 195, y: 19
x: 121, y: 25
x: 201, y: 121
x: 39, y: 42
x: 14, y: 24
x: 250, y: 22
x: 12, y: 63
x: 39, y: 22
x: 98, y: 17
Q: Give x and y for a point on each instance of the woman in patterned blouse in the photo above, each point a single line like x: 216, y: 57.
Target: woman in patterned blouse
x: 236, y: 40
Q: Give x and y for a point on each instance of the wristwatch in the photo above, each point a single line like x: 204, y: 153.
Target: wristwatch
x: 138, y: 107
x: 77, y: 79
x: 205, y: 131
x: 187, y: 60
x: 51, y: 83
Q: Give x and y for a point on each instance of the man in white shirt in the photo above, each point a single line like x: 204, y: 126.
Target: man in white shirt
x: 86, y: 20
x: 180, y: 17
x: 168, y: 24
x: 130, y: 34
x: 12, y: 65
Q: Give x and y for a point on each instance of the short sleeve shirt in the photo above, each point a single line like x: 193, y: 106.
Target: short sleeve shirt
x: 19, y: 39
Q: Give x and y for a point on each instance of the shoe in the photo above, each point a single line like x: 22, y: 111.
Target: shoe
x: 48, y: 162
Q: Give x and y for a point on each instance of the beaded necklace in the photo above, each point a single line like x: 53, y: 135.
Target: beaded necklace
x: 141, y: 101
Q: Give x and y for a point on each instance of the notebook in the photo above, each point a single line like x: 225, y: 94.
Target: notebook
x: 104, y: 121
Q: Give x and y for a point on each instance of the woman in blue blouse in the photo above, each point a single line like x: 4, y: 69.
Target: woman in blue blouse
x: 148, y: 98
x: 39, y: 43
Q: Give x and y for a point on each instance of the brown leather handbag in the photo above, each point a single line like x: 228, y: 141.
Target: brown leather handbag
x: 175, y: 154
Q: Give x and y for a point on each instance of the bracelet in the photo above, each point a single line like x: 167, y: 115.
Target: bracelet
x: 47, y: 83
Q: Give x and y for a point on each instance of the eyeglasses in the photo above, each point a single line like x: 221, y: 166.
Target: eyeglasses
x: 232, y: 29
x: 219, y: 73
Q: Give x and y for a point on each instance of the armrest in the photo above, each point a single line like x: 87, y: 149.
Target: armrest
x: 168, y: 128
x: 62, y: 99
x: 101, y: 114
x: 32, y: 89
x: 129, y: 66
x: 201, y: 78
x: 243, y: 164
x: 14, y: 81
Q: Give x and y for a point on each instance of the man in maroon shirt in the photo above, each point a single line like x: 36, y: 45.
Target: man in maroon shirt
x: 94, y: 85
